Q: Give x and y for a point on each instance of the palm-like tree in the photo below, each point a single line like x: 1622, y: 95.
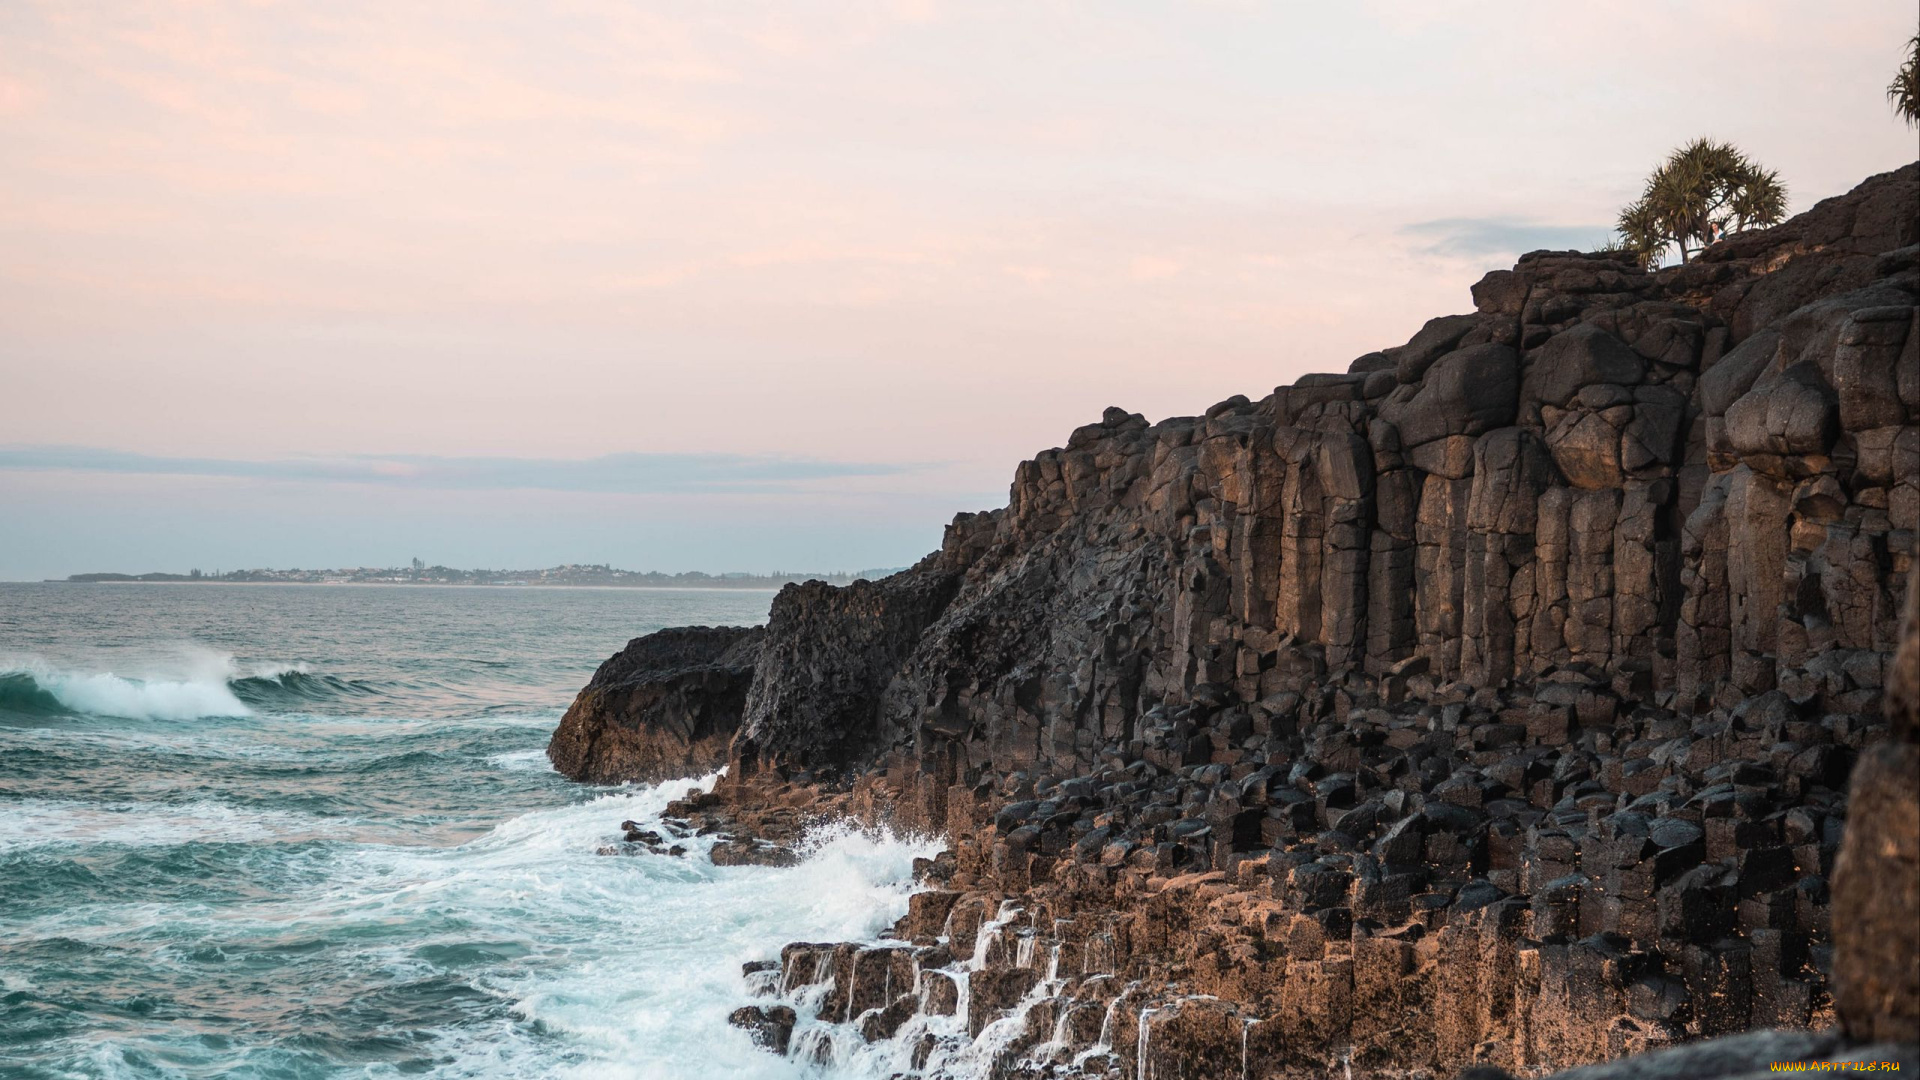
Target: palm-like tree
x: 1904, y: 90
x: 1704, y: 191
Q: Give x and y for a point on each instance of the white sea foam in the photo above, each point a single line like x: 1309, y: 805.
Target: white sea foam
x: 274, y: 671
x: 193, y: 682
x: 102, y: 693
x: 532, y: 759
x: 622, y: 967
x: 286, y: 863
x: 645, y: 950
x: 38, y: 822
x: 185, y: 681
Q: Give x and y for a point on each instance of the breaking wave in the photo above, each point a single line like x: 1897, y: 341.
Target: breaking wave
x: 220, y: 688
x: 295, y: 686
x: 361, y: 864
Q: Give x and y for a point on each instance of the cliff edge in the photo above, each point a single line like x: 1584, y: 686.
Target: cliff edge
x: 1493, y: 701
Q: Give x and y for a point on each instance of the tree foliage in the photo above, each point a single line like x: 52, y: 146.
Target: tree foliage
x: 1704, y: 191
x: 1904, y: 90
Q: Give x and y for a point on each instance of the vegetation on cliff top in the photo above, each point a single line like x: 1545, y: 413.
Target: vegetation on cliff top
x: 1904, y: 90
x: 1705, y: 190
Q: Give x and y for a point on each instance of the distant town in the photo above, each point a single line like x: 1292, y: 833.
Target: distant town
x: 572, y: 574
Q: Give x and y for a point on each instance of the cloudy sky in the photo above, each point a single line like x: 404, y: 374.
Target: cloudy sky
x: 780, y: 285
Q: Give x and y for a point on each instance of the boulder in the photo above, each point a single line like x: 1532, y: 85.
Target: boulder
x: 1434, y: 340
x: 1465, y: 392
x: 827, y: 655
x: 1729, y: 378
x: 1576, y: 358
x: 770, y: 1026
x: 664, y: 707
x: 1790, y: 415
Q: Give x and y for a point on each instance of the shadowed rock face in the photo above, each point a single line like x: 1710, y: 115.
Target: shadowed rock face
x: 664, y: 707
x: 1493, y: 701
x: 835, y: 648
x: 1876, y: 886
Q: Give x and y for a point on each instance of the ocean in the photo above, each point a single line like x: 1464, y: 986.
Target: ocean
x: 310, y: 831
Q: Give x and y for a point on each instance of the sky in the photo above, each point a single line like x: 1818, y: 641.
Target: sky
x: 758, y: 286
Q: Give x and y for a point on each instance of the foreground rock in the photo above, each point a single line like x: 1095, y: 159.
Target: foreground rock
x: 1876, y: 884
x: 664, y: 707
x: 1749, y: 1057
x: 1491, y: 703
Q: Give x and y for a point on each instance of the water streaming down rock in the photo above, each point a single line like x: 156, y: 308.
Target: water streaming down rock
x: 853, y: 981
x: 1143, y: 1047
x: 1491, y: 701
x: 1061, y: 1038
x: 1023, y: 952
x: 1106, y: 1024
x: 1026, y: 1023
x: 1096, y: 958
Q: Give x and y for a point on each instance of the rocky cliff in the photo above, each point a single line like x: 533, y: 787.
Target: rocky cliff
x: 664, y: 707
x: 1491, y: 702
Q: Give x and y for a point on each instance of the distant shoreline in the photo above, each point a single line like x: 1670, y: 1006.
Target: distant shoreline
x: 567, y: 576
x: 417, y: 584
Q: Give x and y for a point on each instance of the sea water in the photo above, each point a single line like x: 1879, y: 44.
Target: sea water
x: 310, y: 831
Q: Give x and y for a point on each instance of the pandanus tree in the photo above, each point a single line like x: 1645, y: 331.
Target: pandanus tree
x: 1704, y: 191
x: 1904, y: 90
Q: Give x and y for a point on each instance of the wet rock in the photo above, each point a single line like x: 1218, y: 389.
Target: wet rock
x: 926, y: 916
x: 770, y: 1026
x: 752, y: 853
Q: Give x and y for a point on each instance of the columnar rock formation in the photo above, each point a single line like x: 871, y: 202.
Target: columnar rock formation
x: 1492, y: 701
x: 1876, y: 883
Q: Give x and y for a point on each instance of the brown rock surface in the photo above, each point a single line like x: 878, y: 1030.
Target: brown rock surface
x: 1876, y: 882
x: 664, y: 707
x: 1490, y: 704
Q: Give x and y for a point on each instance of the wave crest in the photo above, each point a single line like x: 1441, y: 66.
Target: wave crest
x: 33, y: 687
x: 295, y: 685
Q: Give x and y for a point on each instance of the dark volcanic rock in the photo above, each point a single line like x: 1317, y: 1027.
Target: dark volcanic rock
x: 1491, y: 703
x: 1570, y: 362
x: 664, y: 707
x: 751, y: 853
x: 1721, y: 1059
x: 771, y: 1027
x: 834, y: 649
x: 1876, y: 882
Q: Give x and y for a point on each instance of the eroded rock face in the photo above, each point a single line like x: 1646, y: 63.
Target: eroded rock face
x: 1876, y: 885
x: 1492, y: 702
x: 834, y: 650
x: 666, y: 706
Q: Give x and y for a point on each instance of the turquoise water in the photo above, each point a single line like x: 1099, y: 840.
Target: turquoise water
x: 300, y: 831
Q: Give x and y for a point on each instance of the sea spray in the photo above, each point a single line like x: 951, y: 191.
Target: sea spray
x: 364, y: 867
x: 368, y: 867
x: 103, y: 693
